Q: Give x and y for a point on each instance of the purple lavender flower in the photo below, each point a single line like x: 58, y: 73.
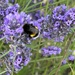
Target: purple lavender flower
x: 60, y: 29
x: 26, y: 61
x: 60, y: 39
x: 64, y: 61
x: 70, y: 17
x: 71, y: 58
x: 4, y: 17
x: 12, y: 9
x: 7, y: 73
x: 3, y: 6
x: 12, y: 27
x: 37, y: 15
x: 59, y: 24
x: 13, y: 24
x: 51, y: 50
x: 59, y: 11
x: 17, y: 62
x: 18, y: 57
x: 53, y: 29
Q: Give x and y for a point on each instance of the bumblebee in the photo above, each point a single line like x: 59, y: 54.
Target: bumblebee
x: 31, y: 30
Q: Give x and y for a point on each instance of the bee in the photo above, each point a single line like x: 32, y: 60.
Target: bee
x: 31, y: 30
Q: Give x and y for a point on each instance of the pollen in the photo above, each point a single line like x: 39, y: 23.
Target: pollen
x: 32, y: 35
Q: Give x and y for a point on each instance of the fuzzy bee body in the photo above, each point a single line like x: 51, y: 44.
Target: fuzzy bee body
x: 31, y: 30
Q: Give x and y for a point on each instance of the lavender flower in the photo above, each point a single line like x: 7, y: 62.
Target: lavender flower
x: 12, y: 9
x: 7, y: 73
x: 59, y: 24
x: 37, y: 15
x: 12, y: 27
x: 51, y: 50
x: 5, y: 16
x: 51, y: 30
x: 71, y: 58
x: 70, y: 17
x: 64, y: 61
x: 18, y: 57
x: 3, y: 6
x: 58, y: 12
x: 12, y: 31
x: 51, y: 27
x: 13, y: 22
x: 54, y: 27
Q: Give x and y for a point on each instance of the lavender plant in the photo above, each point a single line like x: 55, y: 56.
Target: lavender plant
x: 55, y: 26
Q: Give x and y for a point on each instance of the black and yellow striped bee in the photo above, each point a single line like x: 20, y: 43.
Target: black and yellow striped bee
x: 31, y: 30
